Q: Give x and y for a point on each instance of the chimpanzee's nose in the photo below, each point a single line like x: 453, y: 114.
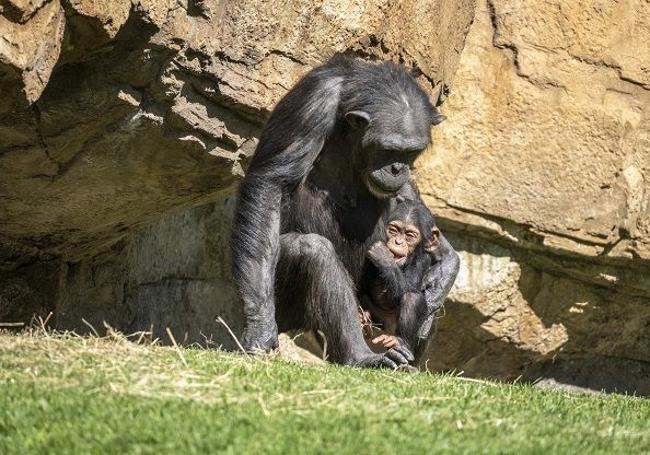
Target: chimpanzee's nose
x: 396, y: 168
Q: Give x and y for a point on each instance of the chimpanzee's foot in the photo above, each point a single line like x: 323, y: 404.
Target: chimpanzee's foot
x: 408, y: 369
x: 396, y: 358
x: 402, y: 353
x: 260, y: 339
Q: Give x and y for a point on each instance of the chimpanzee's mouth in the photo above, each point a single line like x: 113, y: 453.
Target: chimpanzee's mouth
x: 376, y: 190
x: 399, y: 259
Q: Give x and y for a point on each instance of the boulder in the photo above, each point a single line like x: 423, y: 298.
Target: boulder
x: 541, y: 178
x: 125, y: 126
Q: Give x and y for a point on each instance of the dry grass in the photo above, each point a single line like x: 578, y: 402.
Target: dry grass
x: 116, y: 364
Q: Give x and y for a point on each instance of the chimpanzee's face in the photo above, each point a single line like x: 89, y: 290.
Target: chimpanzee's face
x: 409, y: 225
x: 388, y: 145
x: 402, y: 239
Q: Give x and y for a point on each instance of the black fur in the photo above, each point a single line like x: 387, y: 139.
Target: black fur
x: 333, y: 152
x: 401, y: 289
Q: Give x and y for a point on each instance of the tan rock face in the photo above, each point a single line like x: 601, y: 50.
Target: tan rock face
x: 542, y: 175
x: 548, y: 132
x: 29, y: 51
x: 125, y: 125
x: 153, y: 105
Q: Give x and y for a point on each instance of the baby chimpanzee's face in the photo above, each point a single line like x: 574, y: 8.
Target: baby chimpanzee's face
x: 403, y: 238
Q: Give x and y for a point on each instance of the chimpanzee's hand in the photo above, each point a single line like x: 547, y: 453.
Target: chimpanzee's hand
x: 387, y: 341
x: 401, y: 355
x: 396, y: 358
x: 258, y: 338
x: 380, y: 255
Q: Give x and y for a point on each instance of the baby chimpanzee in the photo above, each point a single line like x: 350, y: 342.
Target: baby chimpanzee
x: 391, y: 286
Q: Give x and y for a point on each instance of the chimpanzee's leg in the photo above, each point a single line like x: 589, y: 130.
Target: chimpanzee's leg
x: 314, y: 289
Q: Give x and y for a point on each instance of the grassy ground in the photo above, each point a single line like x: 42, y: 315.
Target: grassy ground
x: 64, y: 394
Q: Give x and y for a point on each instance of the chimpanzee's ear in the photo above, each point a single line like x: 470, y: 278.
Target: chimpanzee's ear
x: 437, y: 118
x: 358, y: 119
x: 432, y: 244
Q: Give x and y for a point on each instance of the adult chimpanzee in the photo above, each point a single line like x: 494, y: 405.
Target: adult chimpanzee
x: 334, y: 151
x: 391, y: 286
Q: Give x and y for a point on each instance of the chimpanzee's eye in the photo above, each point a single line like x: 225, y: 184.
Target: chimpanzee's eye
x: 413, y: 154
x: 411, y: 235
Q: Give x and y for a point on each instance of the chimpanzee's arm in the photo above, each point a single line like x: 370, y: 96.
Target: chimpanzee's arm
x: 393, y: 278
x: 413, y: 311
x: 391, y: 275
x: 418, y: 309
x: 255, y: 251
x: 437, y: 283
x: 291, y: 141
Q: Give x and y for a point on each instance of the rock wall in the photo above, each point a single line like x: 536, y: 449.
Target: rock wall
x: 125, y: 125
x: 541, y: 176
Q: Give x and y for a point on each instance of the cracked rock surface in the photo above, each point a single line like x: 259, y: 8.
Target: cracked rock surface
x: 125, y: 126
x: 541, y: 176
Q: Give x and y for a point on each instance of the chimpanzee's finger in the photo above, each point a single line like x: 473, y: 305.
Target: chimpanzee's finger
x: 378, y: 339
x: 390, y: 342
x: 386, y: 362
x: 406, y: 352
x: 396, y: 357
x: 407, y: 368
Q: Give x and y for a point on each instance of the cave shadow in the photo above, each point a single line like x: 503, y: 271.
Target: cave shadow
x: 601, y: 333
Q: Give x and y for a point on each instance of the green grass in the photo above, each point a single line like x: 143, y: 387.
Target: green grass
x: 64, y: 394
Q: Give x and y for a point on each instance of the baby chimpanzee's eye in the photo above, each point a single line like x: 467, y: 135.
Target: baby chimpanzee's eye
x: 412, y: 235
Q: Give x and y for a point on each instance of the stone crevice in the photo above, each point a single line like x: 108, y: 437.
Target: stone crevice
x: 525, y: 239
x: 39, y: 134
x: 18, y: 15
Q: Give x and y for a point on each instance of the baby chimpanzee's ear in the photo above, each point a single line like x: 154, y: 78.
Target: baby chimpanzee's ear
x: 432, y: 244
